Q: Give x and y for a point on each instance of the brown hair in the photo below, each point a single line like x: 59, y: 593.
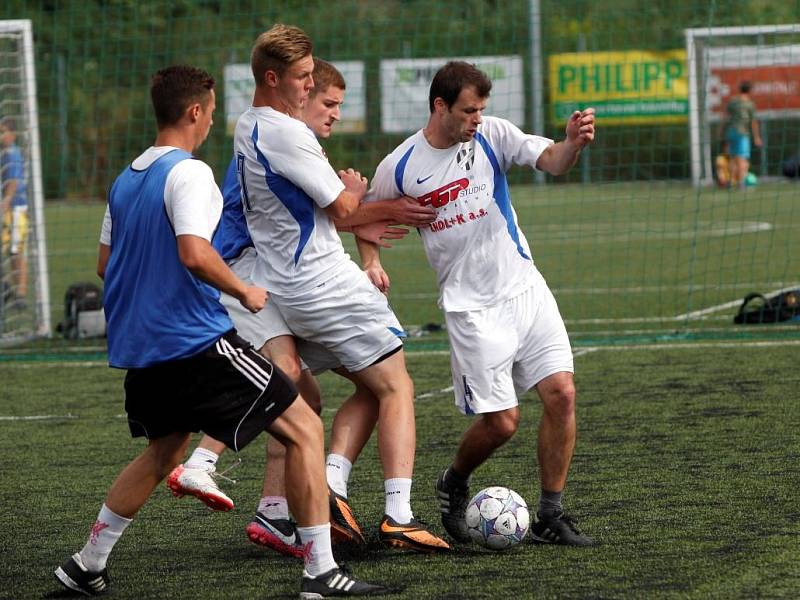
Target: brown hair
x: 8, y: 124
x: 326, y: 75
x: 175, y: 89
x: 277, y: 48
x: 454, y: 77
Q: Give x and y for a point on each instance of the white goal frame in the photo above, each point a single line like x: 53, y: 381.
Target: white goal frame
x: 699, y: 129
x: 24, y: 28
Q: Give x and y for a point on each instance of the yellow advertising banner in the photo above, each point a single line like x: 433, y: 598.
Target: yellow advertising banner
x: 635, y: 86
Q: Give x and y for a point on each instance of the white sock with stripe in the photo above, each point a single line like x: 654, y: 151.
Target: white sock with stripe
x: 398, y: 499
x: 202, y: 459
x: 317, y: 541
x: 105, y: 532
x: 337, y: 471
x: 274, y: 507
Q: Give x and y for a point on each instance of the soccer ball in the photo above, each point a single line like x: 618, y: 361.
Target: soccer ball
x: 497, y: 518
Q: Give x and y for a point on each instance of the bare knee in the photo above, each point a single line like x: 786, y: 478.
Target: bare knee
x: 311, y: 436
x: 502, y: 425
x: 558, y: 398
x: 298, y: 426
x: 290, y: 365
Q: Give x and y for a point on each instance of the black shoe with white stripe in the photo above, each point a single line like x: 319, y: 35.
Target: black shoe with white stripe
x: 559, y: 528
x: 74, y: 576
x: 335, y: 583
x: 453, y: 506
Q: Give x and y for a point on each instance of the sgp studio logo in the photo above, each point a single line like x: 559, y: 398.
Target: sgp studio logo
x: 445, y: 194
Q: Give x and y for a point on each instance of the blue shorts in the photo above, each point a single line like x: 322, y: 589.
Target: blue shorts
x: 738, y: 143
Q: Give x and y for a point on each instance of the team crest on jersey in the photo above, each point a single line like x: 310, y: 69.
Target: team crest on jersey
x: 466, y: 156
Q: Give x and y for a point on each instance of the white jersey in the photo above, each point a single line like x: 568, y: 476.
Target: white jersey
x: 475, y: 245
x: 191, y: 197
x: 286, y: 183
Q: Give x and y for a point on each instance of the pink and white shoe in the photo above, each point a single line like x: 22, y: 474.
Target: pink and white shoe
x: 201, y: 484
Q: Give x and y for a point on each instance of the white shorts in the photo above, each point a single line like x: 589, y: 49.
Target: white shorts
x: 268, y: 323
x: 506, y: 349
x: 257, y: 328
x: 347, y: 316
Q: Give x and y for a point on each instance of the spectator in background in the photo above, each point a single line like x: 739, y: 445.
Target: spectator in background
x: 740, y: 123
x: 15, y: 213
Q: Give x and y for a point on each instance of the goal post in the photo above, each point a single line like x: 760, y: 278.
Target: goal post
x: 769, y: 54
x: 18, y: 103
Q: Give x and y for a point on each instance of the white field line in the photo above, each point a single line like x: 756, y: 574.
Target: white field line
x: 609, y: 233
x: 712, y: 309
x: 59, y: 363
x: 611, y: 333
x: 604, y: 291
x: 73, y: 349
x: 577, y: 353
x: 38, y: 417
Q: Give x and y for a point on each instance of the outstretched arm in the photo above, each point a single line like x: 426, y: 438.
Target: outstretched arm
x: 561, y: 156
x: 405, y: 211
x: 379, y: 231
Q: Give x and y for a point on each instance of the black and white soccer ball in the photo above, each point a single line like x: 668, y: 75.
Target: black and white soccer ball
x: 497, y: 518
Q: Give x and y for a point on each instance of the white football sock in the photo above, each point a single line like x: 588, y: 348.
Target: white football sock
x: 104, y: 534
x: 317, y: 541
x: 202, y: 459
x: 337, y: 471
x: 274, y: 507
x: 398, y: 499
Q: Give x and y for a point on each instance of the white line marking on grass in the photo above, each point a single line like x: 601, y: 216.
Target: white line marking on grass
x: 66, y: 417
x: 609, y: 232
x: 38, y: 364
x: 434, y: 393
x: 636, y: 289
x: 37, y: 417
x: 696, y: 345
x: 712, y: 309
x: 581, y: 351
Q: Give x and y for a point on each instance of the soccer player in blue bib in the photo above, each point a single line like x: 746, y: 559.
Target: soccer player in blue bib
x: 187, y: 370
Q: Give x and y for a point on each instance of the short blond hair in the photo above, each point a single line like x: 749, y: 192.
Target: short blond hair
x: 277, y: 48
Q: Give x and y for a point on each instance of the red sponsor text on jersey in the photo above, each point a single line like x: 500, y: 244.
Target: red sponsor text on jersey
x: 445, y: 194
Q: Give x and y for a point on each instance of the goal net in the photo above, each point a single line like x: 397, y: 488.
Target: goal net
x: 24, y: 301
x: 720, y: 59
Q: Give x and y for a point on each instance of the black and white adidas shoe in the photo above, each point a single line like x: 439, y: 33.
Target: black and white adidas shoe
x: 559, y: 528
x: 453, y: 506
x: 335, y: 583
x: 74, y: 576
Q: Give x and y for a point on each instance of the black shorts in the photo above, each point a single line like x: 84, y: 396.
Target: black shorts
x: 228, y: 391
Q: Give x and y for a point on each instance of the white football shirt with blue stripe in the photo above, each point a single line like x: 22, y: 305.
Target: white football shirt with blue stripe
x: 286, y: 183
x: 475, y: 245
